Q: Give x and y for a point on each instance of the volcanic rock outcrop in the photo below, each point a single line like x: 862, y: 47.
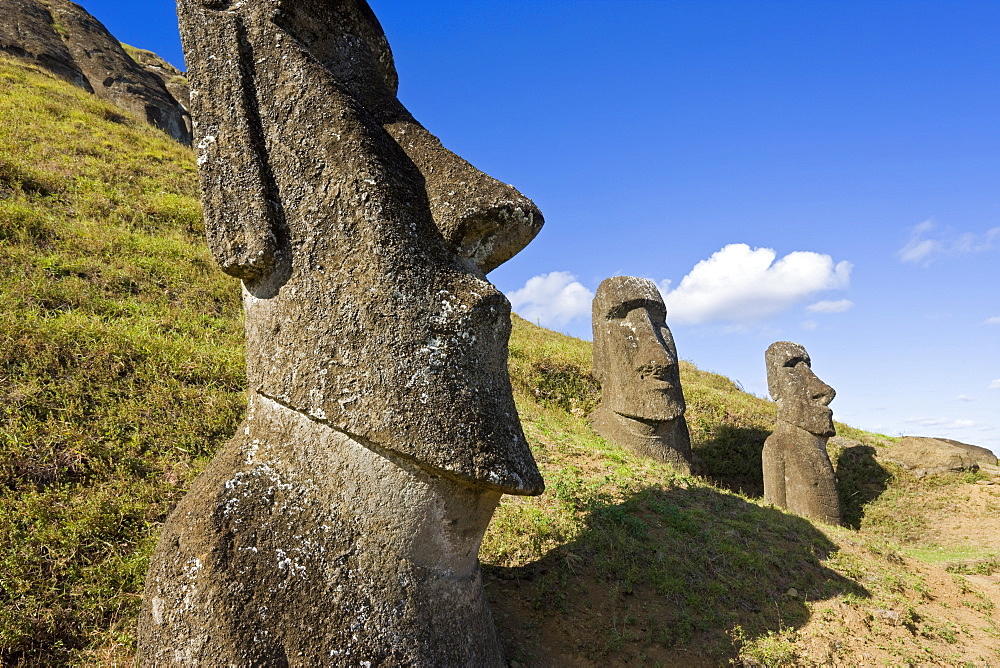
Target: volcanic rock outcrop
x: 61, y: 37
x: 797, y: 470
x: 928, y: 456
x: 635, y: 360
x: 341, y: 525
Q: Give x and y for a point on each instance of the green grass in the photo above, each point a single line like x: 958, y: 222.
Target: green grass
x: 121, y: 359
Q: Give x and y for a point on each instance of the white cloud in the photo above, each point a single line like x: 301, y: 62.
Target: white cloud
x: 742, y: 285
x: 552, y: 300
x: 810, y: 325
x: 926, y: 422
x: 941, y: 422
x: 831, y: 307
x: 975, y: 243
x: 995, y: 385
x: 921, y: 250
x: 993, y: 321
x: 963, y: 397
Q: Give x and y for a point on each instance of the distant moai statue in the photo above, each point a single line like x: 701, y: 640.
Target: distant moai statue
x: 635, y: 360
x: 797, y: 470
x: 342, y: 524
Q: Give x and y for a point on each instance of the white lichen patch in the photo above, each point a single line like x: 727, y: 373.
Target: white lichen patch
x: 289, y: 565
x: 204, y: 148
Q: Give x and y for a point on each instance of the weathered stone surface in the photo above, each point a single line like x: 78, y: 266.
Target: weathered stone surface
x: 635, y: 359
x: 982, y: 456
x: 63, y: 38
x: 797, y: 470
x: 927, y: 456
x: 301, y: 546
x: 342, y: 524
x: 174, y: 80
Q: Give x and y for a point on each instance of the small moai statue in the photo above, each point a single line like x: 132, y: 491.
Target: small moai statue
x: 797, y: 470
x: 342, y: 523
x: 635, y: 360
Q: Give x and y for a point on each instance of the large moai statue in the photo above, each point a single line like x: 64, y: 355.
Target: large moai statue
x: 797, y: 470
x: 342, y: 523
x: 635, y: 360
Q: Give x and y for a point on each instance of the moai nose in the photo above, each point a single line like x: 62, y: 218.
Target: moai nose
x: 487, y: 221
x: 817, y: 390
x: 652, y: 357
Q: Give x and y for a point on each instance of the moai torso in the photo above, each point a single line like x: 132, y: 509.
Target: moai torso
x: 797, y: 470
x: 635, y: 359
x: 342, y: 523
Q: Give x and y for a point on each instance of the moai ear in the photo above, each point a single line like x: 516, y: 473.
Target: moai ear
x: 239, y: 214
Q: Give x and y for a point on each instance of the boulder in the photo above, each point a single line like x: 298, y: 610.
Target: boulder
x: 61, y: 37
x: 928, y: 456
x: 174, y: 80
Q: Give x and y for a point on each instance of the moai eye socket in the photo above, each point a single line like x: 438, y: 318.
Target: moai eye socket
x: 214, y: 4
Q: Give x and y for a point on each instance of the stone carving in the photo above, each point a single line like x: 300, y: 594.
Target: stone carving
x: 797, y: 470
x: 63, y: 38
x: 341, y: 525
x: 635, y: 359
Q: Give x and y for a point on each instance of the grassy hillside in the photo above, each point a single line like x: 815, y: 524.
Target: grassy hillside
x: 122, y: 372
x: 120, y: 361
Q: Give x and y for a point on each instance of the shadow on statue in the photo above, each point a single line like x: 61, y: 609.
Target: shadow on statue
x: 860, y: 480
x: 730, y: 457
x: 662, y: 577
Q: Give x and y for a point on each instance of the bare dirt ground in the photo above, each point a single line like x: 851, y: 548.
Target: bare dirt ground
x: 940, y: 609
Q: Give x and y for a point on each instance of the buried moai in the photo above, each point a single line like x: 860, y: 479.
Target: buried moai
x: 797, y: 470
x: 341, y: 525
x: 635, y: 360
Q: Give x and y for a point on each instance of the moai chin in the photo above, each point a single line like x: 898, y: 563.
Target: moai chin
x: 797, y: 470
x: 635, y: 359
x: 342, y: 523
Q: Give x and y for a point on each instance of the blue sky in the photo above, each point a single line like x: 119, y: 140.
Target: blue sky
x: 821, y: 172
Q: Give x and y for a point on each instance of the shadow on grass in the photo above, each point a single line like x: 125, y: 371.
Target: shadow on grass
x: 662, y: 577
x: 860, y: 480
x: 731, y: 459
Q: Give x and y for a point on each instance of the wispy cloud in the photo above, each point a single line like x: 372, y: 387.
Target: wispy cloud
x: 743, y: 285
x: 922, y: 249
x: 995, y: 385
x: 993, y: 321
x: 927, y: 422
x: 552, y: 300
x: 941, y: 422
x: 964, y: 397
x: 918, y: 249
x: 838, y: 306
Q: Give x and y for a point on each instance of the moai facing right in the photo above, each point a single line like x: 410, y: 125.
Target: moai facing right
x: 797, y: 470
x: 642, y: 405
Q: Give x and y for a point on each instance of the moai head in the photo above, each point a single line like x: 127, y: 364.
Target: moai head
x: 802, y: 398
x: 362, y: 243
x: 634, y: 354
